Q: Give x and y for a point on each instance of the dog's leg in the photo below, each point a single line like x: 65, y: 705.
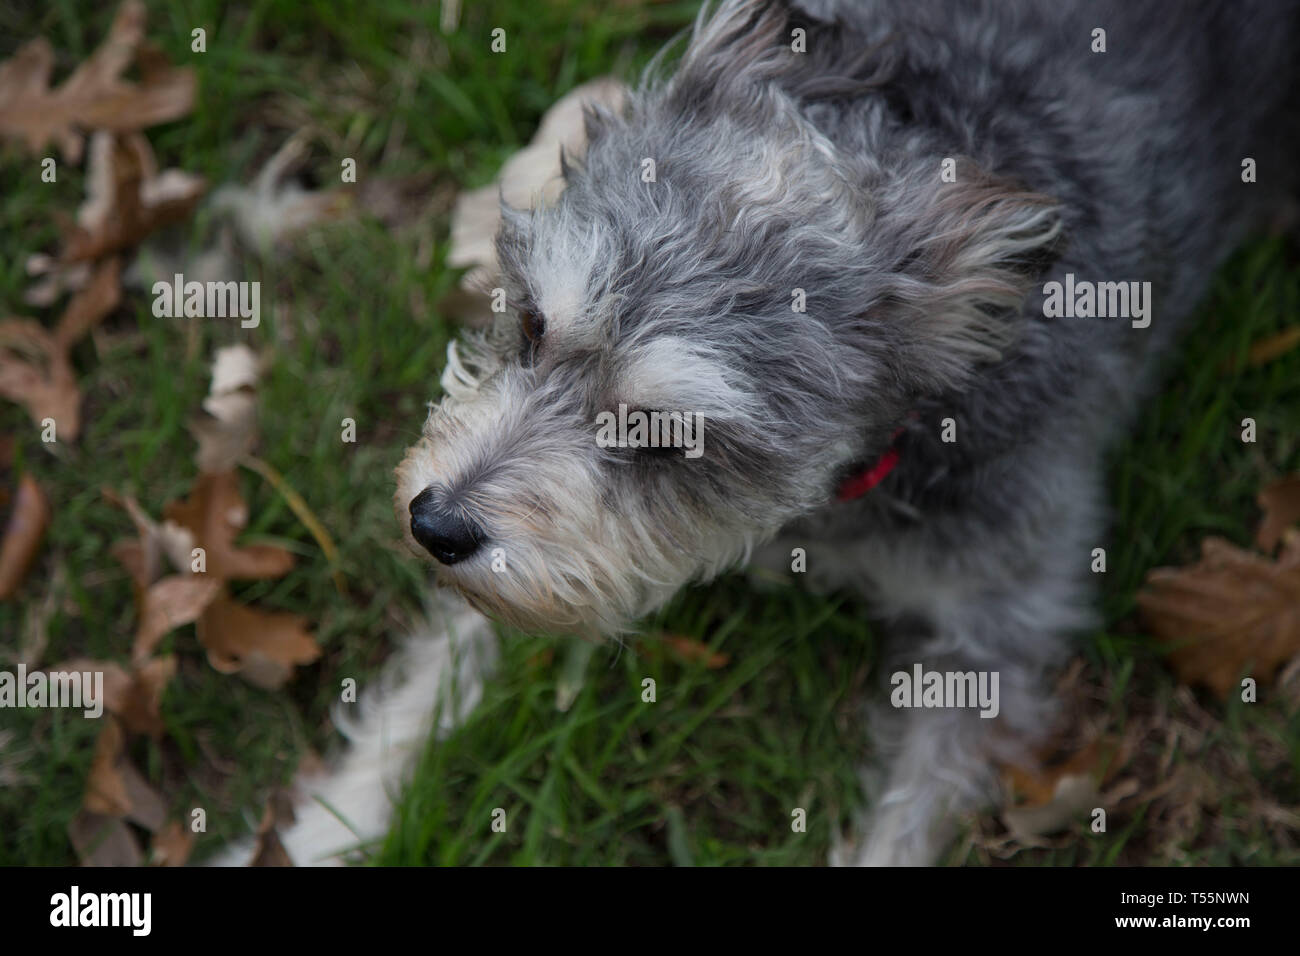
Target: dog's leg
x: 1005, y: 603
x: 935, y: 765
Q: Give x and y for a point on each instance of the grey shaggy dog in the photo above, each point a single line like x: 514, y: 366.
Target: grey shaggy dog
x: 777, y: 170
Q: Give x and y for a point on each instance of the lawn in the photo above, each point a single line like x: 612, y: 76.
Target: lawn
x: 354, y: 328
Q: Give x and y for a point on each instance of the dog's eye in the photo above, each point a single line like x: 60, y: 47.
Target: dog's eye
x: 533, y: 324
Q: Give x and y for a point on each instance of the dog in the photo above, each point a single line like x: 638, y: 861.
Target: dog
x: 836, y: 234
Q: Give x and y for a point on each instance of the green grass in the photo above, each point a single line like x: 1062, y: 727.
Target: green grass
x: 710, y: 772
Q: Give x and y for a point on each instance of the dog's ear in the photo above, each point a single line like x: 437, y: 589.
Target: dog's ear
x: 597, y: 118
x: 970, y: 251
x: 731, y: 46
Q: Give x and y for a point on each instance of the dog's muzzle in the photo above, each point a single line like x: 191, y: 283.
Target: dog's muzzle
x: 443, y: 531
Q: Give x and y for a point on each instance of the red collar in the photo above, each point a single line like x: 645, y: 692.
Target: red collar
x: 859, y: 483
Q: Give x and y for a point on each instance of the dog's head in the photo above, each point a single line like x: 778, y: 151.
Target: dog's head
x: 720, y: 255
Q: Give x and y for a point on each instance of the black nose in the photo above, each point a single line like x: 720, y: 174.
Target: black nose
x: 442, y: 531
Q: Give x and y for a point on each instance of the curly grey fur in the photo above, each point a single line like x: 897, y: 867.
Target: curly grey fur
x: 776, y: 171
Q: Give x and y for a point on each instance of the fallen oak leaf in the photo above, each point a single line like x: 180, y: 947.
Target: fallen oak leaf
x: 140, y: 706
x: 275, y: 209
x: 28, y: 520
x: 1231, y: 609
x: 1072, y: 795
x: 169, y: 603
x: 100, y: 840
x: 143, y: 557
x: 145, y: 805
x: 115, y: 788
x: 89, y: 306
x: 94, y: 96
x: 128, y: 198
x: 1280, y: 502
x: 268, y: 850
x: 54, y: 279
x: 133, y: 696
x: 106, y: 792
x: 117, y: 680
x: 35, y: 373
x: 1036, y: 786
x: 689, y: 649
x: 263, y: 647
x: 35, y: 370
x: 215, y: 514
x: 229, y: 431
x: 171, y: 846
x: 1052, y: 796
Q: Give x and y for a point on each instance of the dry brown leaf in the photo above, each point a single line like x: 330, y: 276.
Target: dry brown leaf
x: 169, y: 603
x: 28, y: 520
x: 117, y: 680
x: 35, y: 373
x: 1232, y: 610
x: 270, y: 851
x: 100, y: 840
x: 690, y: 649
x: 106, y: 791
x: 143, y: 556
x: 127, y: 198
x: 140, y: 706
x: 145, y: 805
x: 1051, y: 797
x: 229, y: 431
x: 1280, y: 501
x: 215, y: 513
x: 1031, y: 787
x: 138, y: 559
x: 35, y: 370
x: 267, y: 849
x: 263, y: 647
x: 55, y: 279
x: 171, y: 846
x: 1073, y: 795
x: 133, y: 696
x: 88, y: 307
x: 276, y: 209
x: 94, y: 96
x: 115, y: 788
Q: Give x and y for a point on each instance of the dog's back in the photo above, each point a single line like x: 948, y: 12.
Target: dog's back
x: 1138, y: 118
x: 1136, y: 115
